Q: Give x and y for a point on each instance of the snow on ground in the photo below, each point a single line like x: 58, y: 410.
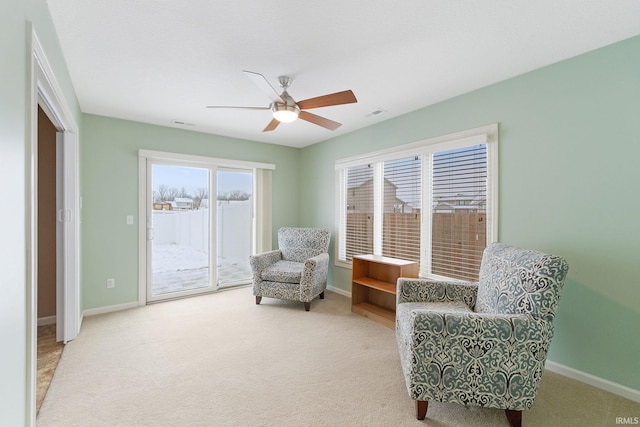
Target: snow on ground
x: 180, y: 268
x: 171, y: 258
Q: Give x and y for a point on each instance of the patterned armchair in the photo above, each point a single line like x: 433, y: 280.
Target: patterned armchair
x: 297, y: 271
x: 485, y: 343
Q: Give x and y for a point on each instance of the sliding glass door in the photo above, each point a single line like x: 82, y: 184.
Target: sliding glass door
x: 179, y: 233
x: 200, y: 227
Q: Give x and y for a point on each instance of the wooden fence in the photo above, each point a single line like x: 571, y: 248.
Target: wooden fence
x: 458, y: 240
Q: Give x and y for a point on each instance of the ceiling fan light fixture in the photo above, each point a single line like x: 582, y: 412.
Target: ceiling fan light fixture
x: 285, y: 109
x: 285, y: 113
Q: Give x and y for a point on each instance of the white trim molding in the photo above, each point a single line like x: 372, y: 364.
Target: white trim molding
x: 203, y: 160
x: 339, y: 291
x: 479, y: 135
x: 49, y: 320
x: 109, y: 309
x: 592, y: 380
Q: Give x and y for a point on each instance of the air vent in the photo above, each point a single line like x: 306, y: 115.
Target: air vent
x: 181, y: 123
x: 375, y: 112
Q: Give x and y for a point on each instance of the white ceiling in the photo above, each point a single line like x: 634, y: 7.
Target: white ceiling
x: 155, y: 61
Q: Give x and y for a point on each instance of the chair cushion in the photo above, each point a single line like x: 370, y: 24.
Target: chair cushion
x: 283, y: 271
x: 517, y: 281
x: 300, y: 244
x: 405, y: 309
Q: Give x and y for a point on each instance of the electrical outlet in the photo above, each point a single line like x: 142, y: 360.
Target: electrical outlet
x: 111, y: 283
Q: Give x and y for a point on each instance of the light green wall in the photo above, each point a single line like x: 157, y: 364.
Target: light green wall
x: 109, y: 177
x: 568, y: 144
x: 569, y: 148
x: 16, y: 18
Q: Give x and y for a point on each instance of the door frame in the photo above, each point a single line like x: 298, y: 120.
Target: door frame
x: 197, y: 161
x: 46, y: 93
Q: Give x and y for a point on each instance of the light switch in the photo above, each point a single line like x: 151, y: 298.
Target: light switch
x: 129, y: 219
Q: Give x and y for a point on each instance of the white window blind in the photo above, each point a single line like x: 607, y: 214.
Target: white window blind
x: 458, y: 211
x: 402, y: 189
x: 360, y: 210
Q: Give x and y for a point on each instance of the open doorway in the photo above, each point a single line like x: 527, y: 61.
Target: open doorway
x: 49, y: 348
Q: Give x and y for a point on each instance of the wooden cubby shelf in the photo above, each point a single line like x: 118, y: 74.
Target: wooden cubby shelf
x: 373, y: 286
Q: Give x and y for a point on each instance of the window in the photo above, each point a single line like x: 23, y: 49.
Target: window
x: 458, y: 211
x: 401, y: 219
x: 359, y: 224
x: 433, y: 202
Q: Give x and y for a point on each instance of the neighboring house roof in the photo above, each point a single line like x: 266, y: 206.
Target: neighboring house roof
x: 459, y: 202
x: 361, y: 183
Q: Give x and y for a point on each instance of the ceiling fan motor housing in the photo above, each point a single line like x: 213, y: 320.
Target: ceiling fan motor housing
x: 286, y: 112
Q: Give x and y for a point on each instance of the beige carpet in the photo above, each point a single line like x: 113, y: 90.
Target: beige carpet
x: 220, y: 360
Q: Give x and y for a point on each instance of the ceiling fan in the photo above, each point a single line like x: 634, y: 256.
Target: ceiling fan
x: 285, y: 109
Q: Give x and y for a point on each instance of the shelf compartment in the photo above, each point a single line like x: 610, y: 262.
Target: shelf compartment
x: 373, y: 286
x: 376, y: 284
x: 375, y: 313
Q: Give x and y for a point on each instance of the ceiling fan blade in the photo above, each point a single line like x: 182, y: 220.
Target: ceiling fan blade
x: 338, y: 98
x: 320, y: 121
x: 240, y: 108
x: 264, y: 85
x: 271, y: 126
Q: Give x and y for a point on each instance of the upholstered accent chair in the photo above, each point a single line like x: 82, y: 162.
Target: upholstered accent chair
x: 297, y: 270
x: 485, y: 343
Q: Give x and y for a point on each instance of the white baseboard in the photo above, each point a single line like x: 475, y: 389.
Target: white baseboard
x: 339, y: 291
x: 601, y: 383
x: 49, y: 320
x: 109, y: 309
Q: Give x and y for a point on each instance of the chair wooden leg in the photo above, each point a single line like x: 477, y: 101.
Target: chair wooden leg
x: 307, y: 306
x: 514, y: 417
x: 421, y: 409
x: 322, y: 295
x: 258, y: 299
